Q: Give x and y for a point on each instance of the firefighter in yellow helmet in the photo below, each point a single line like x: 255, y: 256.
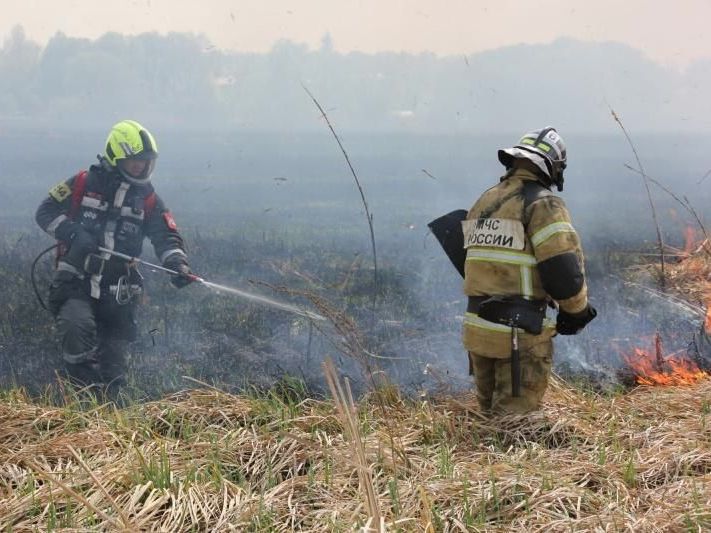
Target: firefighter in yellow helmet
x: 111, y: 205
x: 520, y: 255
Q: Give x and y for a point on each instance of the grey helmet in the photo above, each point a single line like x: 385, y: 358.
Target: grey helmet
x: 543, y: 147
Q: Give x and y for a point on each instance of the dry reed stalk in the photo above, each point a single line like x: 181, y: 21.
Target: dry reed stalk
x: 124, y: 519
x: 368, y: 214
x: 349, y: 418
x: 74, y: 494
x: 684, y: 203
x: 649, y: 197
x: 687, y: 280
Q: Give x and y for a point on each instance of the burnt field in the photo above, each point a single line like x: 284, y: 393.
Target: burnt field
x: 279, y: 215
x: 412, y: 333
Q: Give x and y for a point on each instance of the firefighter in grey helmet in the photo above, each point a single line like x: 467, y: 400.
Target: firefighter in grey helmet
x: 522, y: 256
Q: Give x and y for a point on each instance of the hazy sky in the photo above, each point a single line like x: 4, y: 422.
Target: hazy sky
x: 673, y: 33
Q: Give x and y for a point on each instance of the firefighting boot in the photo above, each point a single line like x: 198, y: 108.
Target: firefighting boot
x: 112, y: 368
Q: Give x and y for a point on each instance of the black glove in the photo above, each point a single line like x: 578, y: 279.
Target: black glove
x: 80, y: 244
x: 572, y: 324
x: 179, y: 263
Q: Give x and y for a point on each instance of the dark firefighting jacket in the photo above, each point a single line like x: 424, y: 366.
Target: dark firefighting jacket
x: 118, y: 214
x: 520, y: 243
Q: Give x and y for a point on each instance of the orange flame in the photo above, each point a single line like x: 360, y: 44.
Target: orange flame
x: 657, y: 370
x: 652, y: 367
x: 691, y: 240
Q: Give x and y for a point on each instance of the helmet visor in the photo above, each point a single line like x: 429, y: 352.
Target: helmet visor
x: 136, y: 169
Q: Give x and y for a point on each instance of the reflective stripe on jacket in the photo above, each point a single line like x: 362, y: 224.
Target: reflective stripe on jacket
x: 118, y: 214
x: 509, y: 236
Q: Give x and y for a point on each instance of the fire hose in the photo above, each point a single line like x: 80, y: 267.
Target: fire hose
x: 33, y: 268
x: 192, y: 277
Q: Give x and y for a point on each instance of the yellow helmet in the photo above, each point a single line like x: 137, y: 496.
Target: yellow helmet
x: 132, y: 150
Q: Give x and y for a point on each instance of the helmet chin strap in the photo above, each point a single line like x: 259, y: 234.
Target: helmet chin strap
x: 558, y: 173
x: 136, y: 181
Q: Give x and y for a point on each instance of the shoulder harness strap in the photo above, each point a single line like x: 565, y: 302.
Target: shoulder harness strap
x: 77, y: 193
x: 149, y: 204
x: 532, y: 192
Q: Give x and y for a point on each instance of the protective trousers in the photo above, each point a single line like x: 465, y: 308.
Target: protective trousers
x: 493, y: 380
x: 93, y: 334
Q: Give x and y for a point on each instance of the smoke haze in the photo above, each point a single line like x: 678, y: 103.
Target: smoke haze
x: 248, y: 166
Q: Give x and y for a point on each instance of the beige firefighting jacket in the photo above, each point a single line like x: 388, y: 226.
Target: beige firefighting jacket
x: 505, y: 242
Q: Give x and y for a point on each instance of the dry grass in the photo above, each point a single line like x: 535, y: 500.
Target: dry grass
x: 206, y: 460
x: 688, y: 278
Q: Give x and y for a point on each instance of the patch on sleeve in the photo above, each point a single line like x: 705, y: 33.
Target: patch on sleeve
x: 60, y: 192
x: 170, y: 221
x: 494, y: 232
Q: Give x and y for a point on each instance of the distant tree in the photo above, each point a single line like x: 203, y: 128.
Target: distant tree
x: 180, y: 80
x: 326, y: 43
x: 18, y: 68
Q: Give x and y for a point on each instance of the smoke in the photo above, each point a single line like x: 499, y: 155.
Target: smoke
x: 257, y: 222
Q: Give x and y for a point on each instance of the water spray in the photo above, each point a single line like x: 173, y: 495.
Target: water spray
x: 220, y: 288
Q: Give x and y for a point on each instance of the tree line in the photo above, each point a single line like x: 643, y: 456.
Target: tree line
x: 183, y: 81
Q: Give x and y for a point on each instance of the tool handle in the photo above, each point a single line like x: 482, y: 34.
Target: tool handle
x: 515, y: 365
x: 130, y: 259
